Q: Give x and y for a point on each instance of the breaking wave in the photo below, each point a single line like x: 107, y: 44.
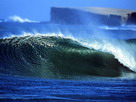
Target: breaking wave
x: 63, y: 57
x: 123, y: 51
x: 18, y: 19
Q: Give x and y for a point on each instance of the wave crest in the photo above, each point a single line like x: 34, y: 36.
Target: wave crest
x: 19, y: 19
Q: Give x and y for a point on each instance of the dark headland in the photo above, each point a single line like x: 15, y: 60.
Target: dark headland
x: 92, y: 15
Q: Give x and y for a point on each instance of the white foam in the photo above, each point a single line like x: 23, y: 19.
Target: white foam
x: 19, y: 19
x: 34, y: 35
x: 125, y: 53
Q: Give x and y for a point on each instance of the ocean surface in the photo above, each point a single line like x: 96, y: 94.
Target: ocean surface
x: 64, y: 63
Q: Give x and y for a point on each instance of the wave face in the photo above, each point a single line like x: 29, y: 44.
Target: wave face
x: 56, y: 57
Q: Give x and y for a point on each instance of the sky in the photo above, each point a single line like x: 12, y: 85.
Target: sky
x: 39, y: 10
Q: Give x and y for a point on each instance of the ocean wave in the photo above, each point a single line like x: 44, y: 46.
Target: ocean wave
x: 57, y: 57
x: 123, y: 27
x: 18, y: 19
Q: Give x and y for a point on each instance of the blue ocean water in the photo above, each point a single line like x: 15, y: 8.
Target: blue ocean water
x: 36, y: 89
x: 22, y: 77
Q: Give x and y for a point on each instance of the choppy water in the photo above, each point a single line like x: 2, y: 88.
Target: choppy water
x: 34, y: 89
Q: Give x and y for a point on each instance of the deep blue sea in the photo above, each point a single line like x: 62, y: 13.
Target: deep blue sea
x: 49, y: 62
x: 20, y: 89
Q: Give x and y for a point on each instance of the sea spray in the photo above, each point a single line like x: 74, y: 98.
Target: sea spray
x: 123, y: 51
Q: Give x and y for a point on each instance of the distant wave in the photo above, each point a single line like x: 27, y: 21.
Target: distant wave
x: 18, y: 19
x: 126, y: 27
x: 58, y: 57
